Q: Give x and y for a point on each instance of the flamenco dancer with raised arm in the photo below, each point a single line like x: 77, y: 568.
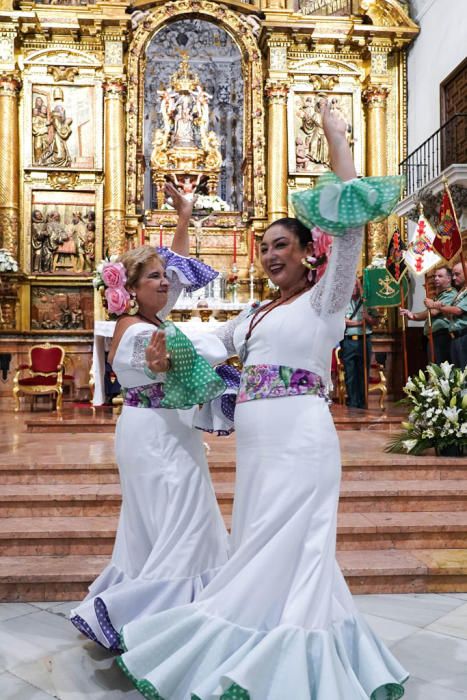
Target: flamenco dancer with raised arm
x: 278, y: 620
x: 171, y: 539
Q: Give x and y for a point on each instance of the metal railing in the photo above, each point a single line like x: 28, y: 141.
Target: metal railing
x: 446, y: 146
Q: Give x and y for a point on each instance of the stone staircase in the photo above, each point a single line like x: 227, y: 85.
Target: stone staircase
x: 402, y: 523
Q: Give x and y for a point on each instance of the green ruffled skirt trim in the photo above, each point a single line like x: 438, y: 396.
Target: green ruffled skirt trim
x: 336, y: 206
x: 393, y: 691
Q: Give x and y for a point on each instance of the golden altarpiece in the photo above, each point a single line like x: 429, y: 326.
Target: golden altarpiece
x: 101, y: 101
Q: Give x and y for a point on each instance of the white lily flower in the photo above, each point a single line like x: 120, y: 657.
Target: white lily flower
x: 446, y: 368
x: 452, y: 414
x: 409, y: 444
x: 444, y: 384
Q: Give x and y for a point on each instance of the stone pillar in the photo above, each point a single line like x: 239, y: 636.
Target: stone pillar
x: 114, y: 165
x: 10, y: 85
x: 375, y: 97
x: 276, y: 93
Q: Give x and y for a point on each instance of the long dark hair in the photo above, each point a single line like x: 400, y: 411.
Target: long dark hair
x: 296, y: 227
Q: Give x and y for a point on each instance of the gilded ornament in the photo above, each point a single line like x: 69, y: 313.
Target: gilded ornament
x: 375, y: 95
x: 66, y: 181
x: 60, y: 73
x: 324, y: 82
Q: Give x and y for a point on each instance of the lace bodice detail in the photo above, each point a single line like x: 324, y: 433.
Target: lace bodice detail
x: 332, y: 293
x: 225, y: 333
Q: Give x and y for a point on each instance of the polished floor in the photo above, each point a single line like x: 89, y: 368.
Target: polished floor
x: 42, y: 656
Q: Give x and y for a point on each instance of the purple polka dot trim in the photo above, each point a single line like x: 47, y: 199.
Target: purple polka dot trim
x: 84, y: 628
x: 107, y: 627
x: 193, y: 273
x: 230, y: 375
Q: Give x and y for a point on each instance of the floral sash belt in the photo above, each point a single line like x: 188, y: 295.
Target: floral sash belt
x: 271, y: 381
x: 149, y: 396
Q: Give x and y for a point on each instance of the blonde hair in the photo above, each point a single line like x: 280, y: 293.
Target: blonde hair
x: 135, y: 261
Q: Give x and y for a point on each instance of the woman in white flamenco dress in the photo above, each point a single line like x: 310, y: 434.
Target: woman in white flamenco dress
x: 171, y: 539
x: 278, y: 621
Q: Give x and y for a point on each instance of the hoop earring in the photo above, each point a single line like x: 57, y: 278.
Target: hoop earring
x: 133, y: 306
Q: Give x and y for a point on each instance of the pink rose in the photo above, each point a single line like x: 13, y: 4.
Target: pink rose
x: 113, y: 274
x: 322, y: 242
x: 117, y: 300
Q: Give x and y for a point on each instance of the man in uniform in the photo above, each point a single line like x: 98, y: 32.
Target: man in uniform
x: 439, y: 321
x: 352, y: 347
x: 457, y: 311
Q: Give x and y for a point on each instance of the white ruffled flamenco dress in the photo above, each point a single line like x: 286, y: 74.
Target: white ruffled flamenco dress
x: 171, y: 539
x: 278, y: 621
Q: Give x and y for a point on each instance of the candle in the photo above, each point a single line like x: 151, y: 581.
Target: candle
x: 161, y: 238
x: 235, y: 245
x: 252, y: 247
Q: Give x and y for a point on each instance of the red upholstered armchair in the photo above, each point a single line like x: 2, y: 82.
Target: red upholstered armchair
x: 43, y: 374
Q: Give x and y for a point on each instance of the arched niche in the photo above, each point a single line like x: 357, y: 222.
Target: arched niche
x: 242, y: 32
x: 215, y: 57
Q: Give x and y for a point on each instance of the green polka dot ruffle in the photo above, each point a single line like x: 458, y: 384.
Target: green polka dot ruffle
x: 336, y: 206
x: 191, y: 380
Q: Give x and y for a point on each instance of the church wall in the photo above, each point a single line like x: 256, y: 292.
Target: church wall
x: 436, y: 52
x: 439, y: 48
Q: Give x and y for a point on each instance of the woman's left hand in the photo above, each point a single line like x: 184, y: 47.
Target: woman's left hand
x: 182, y: 205
x: 156, y: 353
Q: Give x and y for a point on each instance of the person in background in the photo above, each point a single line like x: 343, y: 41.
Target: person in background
x: 439, y: 320
x: 456, y: 311
x: 352, y: 347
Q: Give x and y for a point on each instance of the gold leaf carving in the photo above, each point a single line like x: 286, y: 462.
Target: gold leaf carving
x: 60, y: 73
x: 62, y: 181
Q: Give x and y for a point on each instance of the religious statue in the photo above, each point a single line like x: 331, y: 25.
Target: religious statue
x: 57, y: 153
x: 184, y: 149
x: 302, y: 159
x: 312, y: 132
x: 40, y: 130
x: 58, y: 246
x: 37, y: 228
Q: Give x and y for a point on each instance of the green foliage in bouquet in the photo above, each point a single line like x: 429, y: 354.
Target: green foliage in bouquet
x: 438, y: 411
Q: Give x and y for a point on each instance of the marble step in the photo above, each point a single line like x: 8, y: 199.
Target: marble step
x: 95, y: 535
x: 55, y: 578
x: 83, y: 499
x: 222, y: 466
x: 104, y: 422
x: 39, y: 472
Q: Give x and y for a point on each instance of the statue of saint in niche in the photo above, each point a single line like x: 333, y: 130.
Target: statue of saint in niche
x: 185, y: 110
x: 40, y: 130
x: 312, y: 132
x: 57, y: 153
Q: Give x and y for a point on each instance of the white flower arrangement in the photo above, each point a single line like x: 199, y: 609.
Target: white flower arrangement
x: 438, y: 415
x: 7, y: 261
x: 203, y: 202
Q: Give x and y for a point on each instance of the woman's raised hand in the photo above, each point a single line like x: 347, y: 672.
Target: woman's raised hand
x: 339, y: 150
x: 182, y: 205
x: 156, y: 353
x: 334, y: 124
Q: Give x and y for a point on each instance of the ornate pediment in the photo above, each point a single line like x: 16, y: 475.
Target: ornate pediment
x: 62, y: 57
x: 325, y: 67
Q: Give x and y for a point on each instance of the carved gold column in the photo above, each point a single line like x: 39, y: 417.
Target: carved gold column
x: 276, y: 93
x: 114, y: 165
x: 10, y: 85
x: 375, y: 97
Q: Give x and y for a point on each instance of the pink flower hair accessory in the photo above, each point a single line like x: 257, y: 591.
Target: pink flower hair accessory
x: 110, y: 277
x: 113, y: 274
x: 117, y: 299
